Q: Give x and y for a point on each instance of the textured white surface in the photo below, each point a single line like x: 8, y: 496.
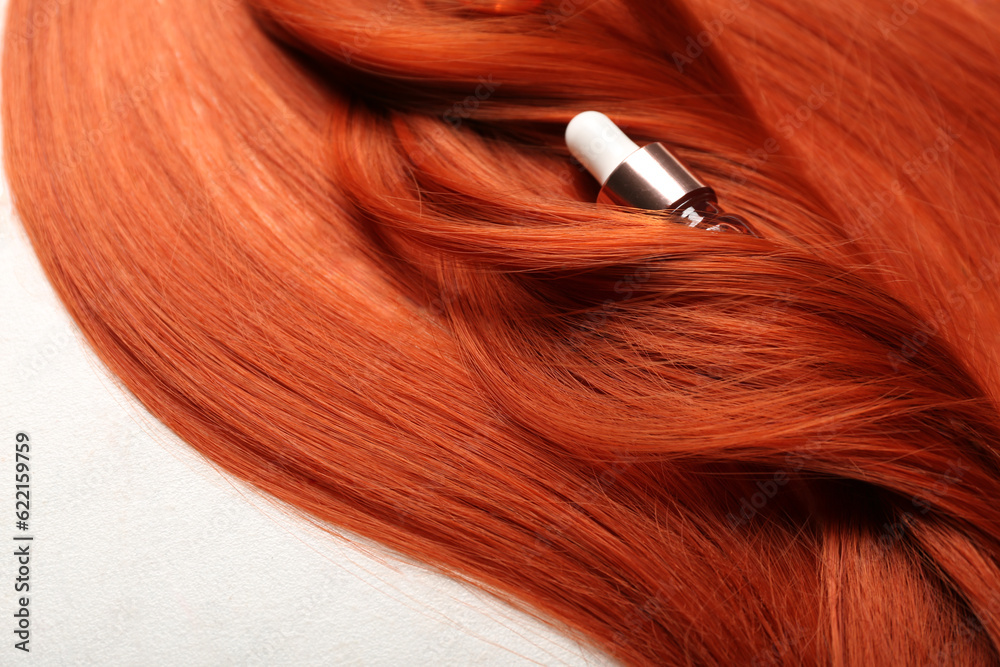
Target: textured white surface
x: 143, y: 554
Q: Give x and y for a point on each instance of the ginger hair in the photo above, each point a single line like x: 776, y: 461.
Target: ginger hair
x: 341, y: 250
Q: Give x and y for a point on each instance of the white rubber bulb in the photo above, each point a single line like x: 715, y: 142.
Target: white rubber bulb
x: 598, y: 144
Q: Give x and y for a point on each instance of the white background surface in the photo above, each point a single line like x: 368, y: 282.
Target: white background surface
x: 143, y: 554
